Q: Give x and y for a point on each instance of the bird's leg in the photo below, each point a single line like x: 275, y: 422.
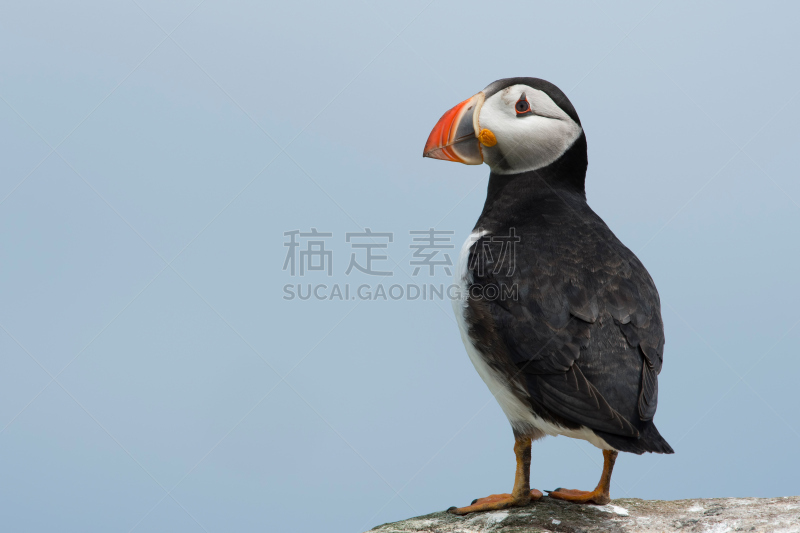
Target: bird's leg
x: 520, y: 495
x: 599, y: 495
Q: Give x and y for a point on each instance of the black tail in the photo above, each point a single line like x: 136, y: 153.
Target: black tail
x: 650, y: 440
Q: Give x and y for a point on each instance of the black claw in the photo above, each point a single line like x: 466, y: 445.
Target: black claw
x: 451, y: 509
x: 474, y: 501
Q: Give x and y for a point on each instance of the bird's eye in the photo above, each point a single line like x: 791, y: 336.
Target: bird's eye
x: 522, y: 106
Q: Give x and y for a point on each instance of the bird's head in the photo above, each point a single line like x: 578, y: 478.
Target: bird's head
x: 514, y: 125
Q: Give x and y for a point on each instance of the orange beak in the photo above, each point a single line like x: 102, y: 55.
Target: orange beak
x: 455, y: 136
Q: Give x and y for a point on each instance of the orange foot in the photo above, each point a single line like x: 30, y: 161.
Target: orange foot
x: 495, y: 502
x: 581, y: 496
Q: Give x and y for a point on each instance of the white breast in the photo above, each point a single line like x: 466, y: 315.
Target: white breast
x: 519, y: 414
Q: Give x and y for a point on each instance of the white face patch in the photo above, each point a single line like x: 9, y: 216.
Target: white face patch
x: 526, y: 142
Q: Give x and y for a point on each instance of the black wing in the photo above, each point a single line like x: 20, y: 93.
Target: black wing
x: 580, y: 320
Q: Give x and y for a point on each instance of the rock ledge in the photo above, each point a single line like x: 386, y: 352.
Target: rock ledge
x: 720, y: 515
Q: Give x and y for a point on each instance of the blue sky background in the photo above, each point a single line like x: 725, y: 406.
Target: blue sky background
x: 153, y: 153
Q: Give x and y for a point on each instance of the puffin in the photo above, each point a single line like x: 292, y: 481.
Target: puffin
x: 560, y: 319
